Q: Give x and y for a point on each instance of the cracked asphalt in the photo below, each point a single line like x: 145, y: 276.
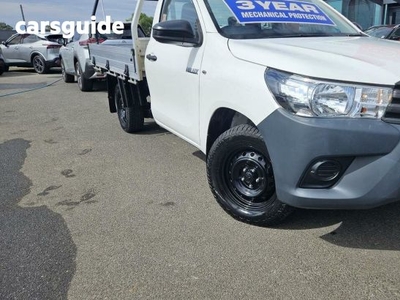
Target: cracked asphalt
x: 88, y: 211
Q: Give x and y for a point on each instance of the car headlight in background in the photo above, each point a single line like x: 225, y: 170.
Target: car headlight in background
x: 311, y: 97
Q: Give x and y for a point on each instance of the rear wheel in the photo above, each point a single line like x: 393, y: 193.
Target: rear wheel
x: 66, y: 77
x: 39, y: 64
x: 130, y: 118
x: 241, y: 178
x: 84, y: 84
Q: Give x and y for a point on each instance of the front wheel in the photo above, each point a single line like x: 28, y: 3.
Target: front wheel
x: 241, y: 178
x: 131, y: 119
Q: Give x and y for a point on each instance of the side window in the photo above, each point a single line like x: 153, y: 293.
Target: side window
x: 182, y: 10
x: 15, y: 41
x: 30, y: 38
x: 396, y: 34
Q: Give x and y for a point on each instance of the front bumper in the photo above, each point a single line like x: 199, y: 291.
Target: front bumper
x: 372, y: 178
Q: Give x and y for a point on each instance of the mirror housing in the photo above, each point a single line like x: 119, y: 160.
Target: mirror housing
x: 175, y: 32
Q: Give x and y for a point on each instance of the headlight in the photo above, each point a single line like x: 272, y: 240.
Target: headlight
x: 310, y: 97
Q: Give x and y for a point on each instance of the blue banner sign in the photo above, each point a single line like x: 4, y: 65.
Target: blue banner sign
x: 284, y: 11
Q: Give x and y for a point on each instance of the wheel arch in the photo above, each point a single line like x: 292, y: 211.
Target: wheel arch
x: 33, y: 54
x: 75, y: 60
x: 222, y: 120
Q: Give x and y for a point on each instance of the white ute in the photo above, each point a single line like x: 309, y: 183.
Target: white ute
x: 292, y: 104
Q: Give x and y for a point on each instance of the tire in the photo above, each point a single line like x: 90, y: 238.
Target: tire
x: 2, y: 67
x: 6, y: 68
x: 131, y: 119
x: 39, y: 64
x: 241, y: 178
x: 65, y: 76
x: 84, y: 84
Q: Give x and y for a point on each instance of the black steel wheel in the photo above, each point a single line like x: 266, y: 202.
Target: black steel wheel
x: 241, y: 177
x: 39, y: 64
x: 84, y: 84
x: 131, y: 119
x: 65, y: 76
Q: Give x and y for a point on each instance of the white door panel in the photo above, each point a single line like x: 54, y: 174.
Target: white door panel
x: 173, y: 74
x: 67, y: 55
x: 174, y: 87
x: 11, y: 53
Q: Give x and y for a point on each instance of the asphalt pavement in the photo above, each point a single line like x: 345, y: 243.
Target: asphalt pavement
x: 88, y: 211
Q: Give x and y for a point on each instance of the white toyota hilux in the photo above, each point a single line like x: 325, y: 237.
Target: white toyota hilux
x: 292, y: 104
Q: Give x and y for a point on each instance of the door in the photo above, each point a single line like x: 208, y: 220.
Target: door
x: 173, y: 74
x: 27, y: 46
x: 11, y: 49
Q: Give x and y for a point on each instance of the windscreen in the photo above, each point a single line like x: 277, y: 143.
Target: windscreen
x: 246, y: 19
x: 379, y: 32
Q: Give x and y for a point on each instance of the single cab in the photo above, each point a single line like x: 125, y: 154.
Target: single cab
x: 292, y: 104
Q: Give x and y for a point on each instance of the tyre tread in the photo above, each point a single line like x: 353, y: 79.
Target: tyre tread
x: 280, y: 210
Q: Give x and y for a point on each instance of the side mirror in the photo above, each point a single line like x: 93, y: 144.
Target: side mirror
x: 4, y: 43
x: 175, y: 32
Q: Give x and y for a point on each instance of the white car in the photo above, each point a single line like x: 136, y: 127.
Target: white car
x: 40, y: 51
x: 75, y: 57
x: 292, y: 105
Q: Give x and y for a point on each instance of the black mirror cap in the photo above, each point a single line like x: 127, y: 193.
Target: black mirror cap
x: 174, y: 31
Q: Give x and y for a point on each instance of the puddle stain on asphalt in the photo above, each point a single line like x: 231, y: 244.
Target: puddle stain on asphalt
x: 50, y: 141
x: 166, y: 204
x: 85, y: 199
x: 85, y: 151
x: 51, y: 121
x: 68, y: 173
x: 37, y: 253
x: 50, y: 188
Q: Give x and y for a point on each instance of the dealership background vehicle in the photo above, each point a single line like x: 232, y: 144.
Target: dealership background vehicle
x: 33, y: 50
x: 75, y: 57
x: 286, y: 99
x: 3, y: 67
x: 390, y: 32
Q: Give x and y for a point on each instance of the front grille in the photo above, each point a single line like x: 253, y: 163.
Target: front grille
x: 392, y: 114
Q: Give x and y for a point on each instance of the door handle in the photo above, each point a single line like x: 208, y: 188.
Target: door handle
x: 151, y: 57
